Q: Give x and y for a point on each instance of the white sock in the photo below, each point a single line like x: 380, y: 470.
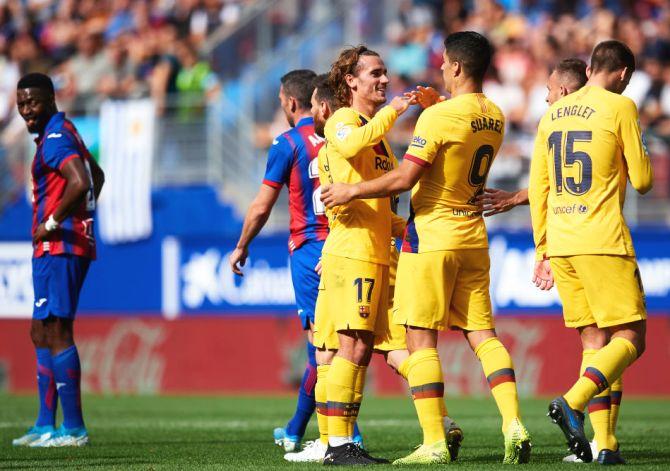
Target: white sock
x: 339, y: 441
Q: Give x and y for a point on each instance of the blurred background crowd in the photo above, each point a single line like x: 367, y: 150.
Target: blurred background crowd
x: 217, y: 63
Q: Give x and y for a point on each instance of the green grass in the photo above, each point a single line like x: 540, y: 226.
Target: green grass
x: 236, y: 433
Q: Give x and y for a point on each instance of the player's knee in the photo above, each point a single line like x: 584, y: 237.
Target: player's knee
x: 38, y: 335
x: 475, y: 337
x: 593, y: 338
x: 640, y: 346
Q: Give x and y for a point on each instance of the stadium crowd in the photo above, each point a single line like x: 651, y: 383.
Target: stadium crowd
x: 530, y: 37
x: 153, y: 48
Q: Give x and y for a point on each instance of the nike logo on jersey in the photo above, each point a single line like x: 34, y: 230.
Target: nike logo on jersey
x: 275, y: 142
x: 40, y: 302
x: 59, y: 385
x: 54, y: 135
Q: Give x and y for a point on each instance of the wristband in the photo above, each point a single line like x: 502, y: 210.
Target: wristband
x: 51, y: 224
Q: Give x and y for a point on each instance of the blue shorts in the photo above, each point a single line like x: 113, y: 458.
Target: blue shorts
x: 305, y: 279
x: 57, y: 281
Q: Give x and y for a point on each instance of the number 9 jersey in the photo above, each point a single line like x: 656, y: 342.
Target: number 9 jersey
x: 456, y: 140
x: 588, y: 145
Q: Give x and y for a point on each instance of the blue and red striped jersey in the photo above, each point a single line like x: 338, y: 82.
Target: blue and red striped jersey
x: 292, y: 161
x: 57, y: 145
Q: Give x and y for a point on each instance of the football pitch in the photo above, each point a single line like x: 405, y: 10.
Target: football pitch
x: 212, y: 432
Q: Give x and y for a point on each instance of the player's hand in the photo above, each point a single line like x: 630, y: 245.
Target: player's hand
x: 426, y: 96
x: 318, y: 268
x: 401, y: 103
x: 493, y: 201
x: 337, y: 194
x: 40, y: 234
x: 542, y: 275
x: 237, y: 260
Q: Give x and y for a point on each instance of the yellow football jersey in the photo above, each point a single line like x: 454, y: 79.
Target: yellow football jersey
x: 457, y: 141
x: 355, y: 151
x: 588, y: 144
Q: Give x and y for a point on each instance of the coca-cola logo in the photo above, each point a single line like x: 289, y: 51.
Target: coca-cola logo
x: 463, y: 373
x: 123, y: 360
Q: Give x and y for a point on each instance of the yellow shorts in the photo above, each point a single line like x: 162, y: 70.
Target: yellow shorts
x: 599, y: 289
x: 388, y: 335
x: 353, y: 295
x: 444, y: 289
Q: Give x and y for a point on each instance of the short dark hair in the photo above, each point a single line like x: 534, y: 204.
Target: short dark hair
x: 36, y: 80
x: 573, y: 71
x: 299, y: 84
x: 325, y: 91
x: 470, y: 49
x: 612, y: 55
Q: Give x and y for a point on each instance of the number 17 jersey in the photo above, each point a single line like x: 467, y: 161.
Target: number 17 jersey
x: 456, y: 140
x: 588, y: 145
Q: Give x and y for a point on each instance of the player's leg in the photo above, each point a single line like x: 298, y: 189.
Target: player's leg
x: 46, y: 387
x: 306, y: 287
x: 471, y: 311
x: 422, y: 295
x: 359, y: 292
x: 617, y: 303
x: 68, y: 274
x: 390, y: 341
x: 593, y: 339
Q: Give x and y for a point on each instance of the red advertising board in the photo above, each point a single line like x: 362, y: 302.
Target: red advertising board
x: 266, y: 355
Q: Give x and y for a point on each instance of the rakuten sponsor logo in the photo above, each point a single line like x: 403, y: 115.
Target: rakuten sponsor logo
x: 206, y: 277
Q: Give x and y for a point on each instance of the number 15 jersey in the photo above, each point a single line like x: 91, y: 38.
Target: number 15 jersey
x: 456, y: 140
x: 588, y: 144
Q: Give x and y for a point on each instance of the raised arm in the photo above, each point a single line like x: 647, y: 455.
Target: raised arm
x: 348, y: 138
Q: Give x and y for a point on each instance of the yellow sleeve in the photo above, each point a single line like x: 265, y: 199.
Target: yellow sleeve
x: 634, y: 147
x: 538, y: 191
x: 426, y: 141
x: 348, y: 138
x: 398, y: 224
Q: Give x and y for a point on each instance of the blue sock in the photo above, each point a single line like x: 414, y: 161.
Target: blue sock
x: 47, y: 389
x: 357, y: 432
x: 306, y: 401
x: 67, y: 372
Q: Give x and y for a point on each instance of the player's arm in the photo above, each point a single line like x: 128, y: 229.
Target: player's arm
x: 538, y: 192
x: 420, y: 154
x: 634, y: 149
x: 398, y: 224
x: 78, y: 184
x: 98, y: 177
x: 277, y: 173
x: 348, y: 138
x: 494, y: 201
x: 256, y: 217
x: 400, y: 179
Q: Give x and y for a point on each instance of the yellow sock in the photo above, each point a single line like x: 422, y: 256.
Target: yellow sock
x: 342, y: 408
x: 424, y: 375
x: 616, y: 391
x: 499, y: 371
x: 605, y: 366
x: 599, y: 410
x: 359, y: 385
x: 321, y: 402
